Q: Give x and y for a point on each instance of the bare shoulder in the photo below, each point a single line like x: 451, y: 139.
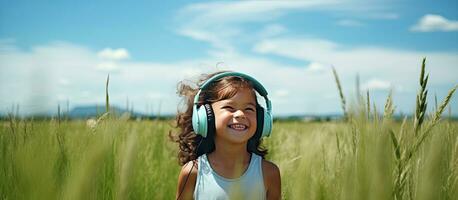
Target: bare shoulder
x: 270, y: 168
x: 187, y: 180
x: 189, y: 166
x: 272, y: 179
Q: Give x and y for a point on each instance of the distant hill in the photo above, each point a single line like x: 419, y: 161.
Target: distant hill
x: 87, y: 111
x: 93, y: 111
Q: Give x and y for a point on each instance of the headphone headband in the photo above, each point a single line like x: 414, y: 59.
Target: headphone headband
x: 256, y: 85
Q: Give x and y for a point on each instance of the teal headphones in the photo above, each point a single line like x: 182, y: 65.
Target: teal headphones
x: 203, y: 116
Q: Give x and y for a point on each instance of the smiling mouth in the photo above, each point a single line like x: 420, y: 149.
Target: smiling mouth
x: 238, y: 127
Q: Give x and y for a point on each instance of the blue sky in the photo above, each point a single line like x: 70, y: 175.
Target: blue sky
x: 59, y: 50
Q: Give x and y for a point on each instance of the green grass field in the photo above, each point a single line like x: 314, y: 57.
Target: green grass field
x: 136, y: 160
x: 367, y: 155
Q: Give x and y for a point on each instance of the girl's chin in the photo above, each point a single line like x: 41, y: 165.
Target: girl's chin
x: 239, y: 132
x: 239, y: 135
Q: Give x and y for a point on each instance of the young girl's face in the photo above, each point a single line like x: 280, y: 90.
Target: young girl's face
x: 235, y: 118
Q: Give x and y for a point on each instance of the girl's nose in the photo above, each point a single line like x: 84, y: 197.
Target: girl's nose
x: 239, y: 114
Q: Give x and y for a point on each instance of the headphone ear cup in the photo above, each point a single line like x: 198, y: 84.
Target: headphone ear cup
x: 199, y: 121
x: 264, y: 121
x: 268, y: 121
x: 259, y: 120
x: 195, y: 120
x: 210, y: 122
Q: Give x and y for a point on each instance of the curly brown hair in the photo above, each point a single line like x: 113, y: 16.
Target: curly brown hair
x: 192, y: 145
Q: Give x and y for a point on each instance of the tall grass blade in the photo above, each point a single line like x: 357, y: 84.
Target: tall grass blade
x: 342, y: 97
x: 107, y: 98
x: 359, y: 97
x: 433, y: 122
x: 421, y: 104
x: 368, y: 104
x: 389, y: 109
x: 396, y: 146
x: 444, y: 104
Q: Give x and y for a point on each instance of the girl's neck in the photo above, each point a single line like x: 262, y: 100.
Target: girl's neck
x: 230, y: 154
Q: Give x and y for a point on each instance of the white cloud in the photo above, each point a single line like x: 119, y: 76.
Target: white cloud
x: 432, y: 22
x: 304, y: 49
x: 392, y: 67
x: 293, y: 89
x: 63, y: 82
x: 155, y: 95
x: 61, y: 98
x: 281, y: 93
x: 272, y: 30
x: 368, y: 61
x: 376, y: 84
x: 51, y: 73
x: 221, y: 24
x: 114, y: 54
x: 211, y: 36
x: 37, y: 75
x: 309, y: 89
x: 316, y: 67
x: 229, y: 12
x: 107, y: 66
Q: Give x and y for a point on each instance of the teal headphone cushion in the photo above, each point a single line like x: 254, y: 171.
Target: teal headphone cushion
x: 210, y: 122
x: 260, y: 121
x: 205, y: 120
x: 267, y: 122
x: 264, y: 120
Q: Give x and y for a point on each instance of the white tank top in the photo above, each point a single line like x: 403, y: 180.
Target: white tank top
x: 210, y: 185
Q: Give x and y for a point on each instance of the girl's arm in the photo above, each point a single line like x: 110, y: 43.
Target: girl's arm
x: 272, y: 180
x: 185, y: 189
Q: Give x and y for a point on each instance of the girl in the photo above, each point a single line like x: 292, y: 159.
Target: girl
x: 219, y: 140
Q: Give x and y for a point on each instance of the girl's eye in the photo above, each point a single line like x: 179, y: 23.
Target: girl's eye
x: 250, y: 109
x: 227, y: 108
